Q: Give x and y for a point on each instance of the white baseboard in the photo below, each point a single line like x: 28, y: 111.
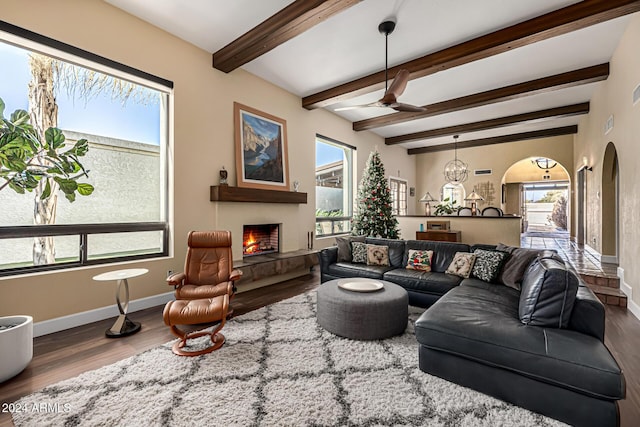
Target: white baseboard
x: 608, y: 259
x: 628, y: 291
x: 78, y: 319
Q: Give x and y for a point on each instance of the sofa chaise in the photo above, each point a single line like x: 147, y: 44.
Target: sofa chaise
x: 536, y: 342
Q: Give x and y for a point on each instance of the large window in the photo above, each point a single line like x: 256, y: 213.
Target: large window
x: 334, y: 186
x: 123, y: 113
x: 398, y: 188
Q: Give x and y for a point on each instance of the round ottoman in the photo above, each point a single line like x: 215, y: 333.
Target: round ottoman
x: 363, y: 315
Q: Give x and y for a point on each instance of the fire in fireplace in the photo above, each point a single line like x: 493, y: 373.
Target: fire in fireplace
x: 260, y: 239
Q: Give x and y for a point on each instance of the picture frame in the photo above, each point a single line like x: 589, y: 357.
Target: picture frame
x: 262, y: 159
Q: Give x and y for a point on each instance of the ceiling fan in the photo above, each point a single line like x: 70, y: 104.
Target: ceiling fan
x: 399, y: 83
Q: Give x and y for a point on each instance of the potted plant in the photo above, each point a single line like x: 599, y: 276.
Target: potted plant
x: 446, y: 207
x: 16, y: 345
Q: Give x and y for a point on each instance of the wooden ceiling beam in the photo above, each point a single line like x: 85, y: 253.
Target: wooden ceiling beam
x: 543, y: 27
x: 573, y: 78
x: 518, y: 119
x: 545, y: 133
x: 286, y: 24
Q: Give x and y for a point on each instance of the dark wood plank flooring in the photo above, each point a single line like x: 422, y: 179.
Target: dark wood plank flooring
x: 68, y: 353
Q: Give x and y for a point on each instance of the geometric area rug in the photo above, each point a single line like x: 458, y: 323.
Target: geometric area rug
x: 278, y: 367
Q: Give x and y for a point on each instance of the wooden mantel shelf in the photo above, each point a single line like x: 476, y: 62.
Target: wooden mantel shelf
x: 226, y: 193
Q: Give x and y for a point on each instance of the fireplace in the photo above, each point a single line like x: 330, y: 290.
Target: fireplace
x: 260, y: 239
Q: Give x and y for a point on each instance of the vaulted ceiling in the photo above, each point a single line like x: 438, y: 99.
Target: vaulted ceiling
x: 492, y: 71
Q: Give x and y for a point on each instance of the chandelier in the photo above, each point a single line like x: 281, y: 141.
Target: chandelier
x: 455, y: 171
x: 544, y: 163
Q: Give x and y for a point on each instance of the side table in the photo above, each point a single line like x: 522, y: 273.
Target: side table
x: 123, y: 326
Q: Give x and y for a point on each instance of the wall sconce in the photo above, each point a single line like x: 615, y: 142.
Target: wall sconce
x: 473, y: 198
x: 427, y: 199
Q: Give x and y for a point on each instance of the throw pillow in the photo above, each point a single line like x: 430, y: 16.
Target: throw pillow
x: 344, y: 247
x: 518, y: 262
x: 359, y: 252
x: 462, y: 264
x: 548, y: 294
x: 419, y: 260
x: 488, y: 264
x: 377, y: 255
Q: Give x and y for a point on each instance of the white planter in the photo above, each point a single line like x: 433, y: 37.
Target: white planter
x: 16, y: 345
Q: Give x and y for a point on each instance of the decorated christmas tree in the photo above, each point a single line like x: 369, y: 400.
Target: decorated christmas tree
x: 373, y: 215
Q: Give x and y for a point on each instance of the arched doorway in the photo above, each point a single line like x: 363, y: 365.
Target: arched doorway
x: 609, y: 205
x: 538, y: 189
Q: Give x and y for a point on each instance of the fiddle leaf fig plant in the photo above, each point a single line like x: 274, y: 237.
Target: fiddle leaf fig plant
x: 446, y: 207
x: 26, y: 160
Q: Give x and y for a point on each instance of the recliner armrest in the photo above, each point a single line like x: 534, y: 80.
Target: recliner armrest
x: 176, y: 279
x: 235, y: 275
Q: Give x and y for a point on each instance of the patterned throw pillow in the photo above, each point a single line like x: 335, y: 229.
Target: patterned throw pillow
x: 488, y: 264
x: 359, y: 252
x: 377, y: 255
x: 419, y: 260
x: 462, y: 264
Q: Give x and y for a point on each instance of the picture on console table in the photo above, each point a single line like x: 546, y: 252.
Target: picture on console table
x: 261, y: 149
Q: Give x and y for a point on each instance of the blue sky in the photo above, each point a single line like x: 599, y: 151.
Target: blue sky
x: 99, y: 116
x: 326, y: 153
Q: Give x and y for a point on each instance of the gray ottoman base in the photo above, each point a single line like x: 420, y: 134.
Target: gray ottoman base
x: 363, y: 315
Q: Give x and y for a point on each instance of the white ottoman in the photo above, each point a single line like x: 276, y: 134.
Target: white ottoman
x: 363, y: 315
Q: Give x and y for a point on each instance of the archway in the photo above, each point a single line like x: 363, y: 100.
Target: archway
x: 538, y: 189
x: 609, y: 205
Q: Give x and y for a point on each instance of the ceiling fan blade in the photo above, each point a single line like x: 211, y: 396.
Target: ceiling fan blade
x: 354, y: 107
x: 407, y: 108
x: 398, y: 84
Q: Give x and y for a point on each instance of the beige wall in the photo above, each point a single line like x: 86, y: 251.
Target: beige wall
x: 614, y: 97
x: 203, y: 142
x: 497, y: 157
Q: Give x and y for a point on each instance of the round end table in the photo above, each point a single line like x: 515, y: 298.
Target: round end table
x: 123, y: 326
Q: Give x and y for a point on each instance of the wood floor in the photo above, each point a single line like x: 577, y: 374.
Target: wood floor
x: 68, y: 353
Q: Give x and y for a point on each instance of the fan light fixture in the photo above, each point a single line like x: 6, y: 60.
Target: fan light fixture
x: 456, y: 171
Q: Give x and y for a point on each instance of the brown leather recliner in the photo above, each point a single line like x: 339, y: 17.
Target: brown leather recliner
x: 208, y: 268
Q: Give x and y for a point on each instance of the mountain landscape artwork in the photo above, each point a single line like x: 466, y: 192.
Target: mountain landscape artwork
x: 260, y: 149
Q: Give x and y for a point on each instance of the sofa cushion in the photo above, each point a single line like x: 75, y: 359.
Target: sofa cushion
x: 517, y: 263
x: 479, y: 321
x: 423, y: 281
x: 359, y: 252
x: 396, y: 249
x: 443, y: 252
x: 462, y: 264
x: 344, y: 247
x: 547, y: 295
x: 377, y: 255
x: 488, y: 264
x: 419, y: 260
x: 348, y: 269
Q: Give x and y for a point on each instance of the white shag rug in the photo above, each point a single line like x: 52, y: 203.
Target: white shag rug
x: 278, y: 367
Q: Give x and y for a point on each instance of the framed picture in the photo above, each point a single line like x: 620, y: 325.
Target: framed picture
x: 261, y: 149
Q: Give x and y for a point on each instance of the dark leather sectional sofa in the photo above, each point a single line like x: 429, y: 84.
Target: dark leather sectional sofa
x: 553, y: 362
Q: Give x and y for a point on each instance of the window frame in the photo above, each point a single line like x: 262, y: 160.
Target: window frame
x: 349, y: 187
x: 395, y: 195
x: 29, y: 40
